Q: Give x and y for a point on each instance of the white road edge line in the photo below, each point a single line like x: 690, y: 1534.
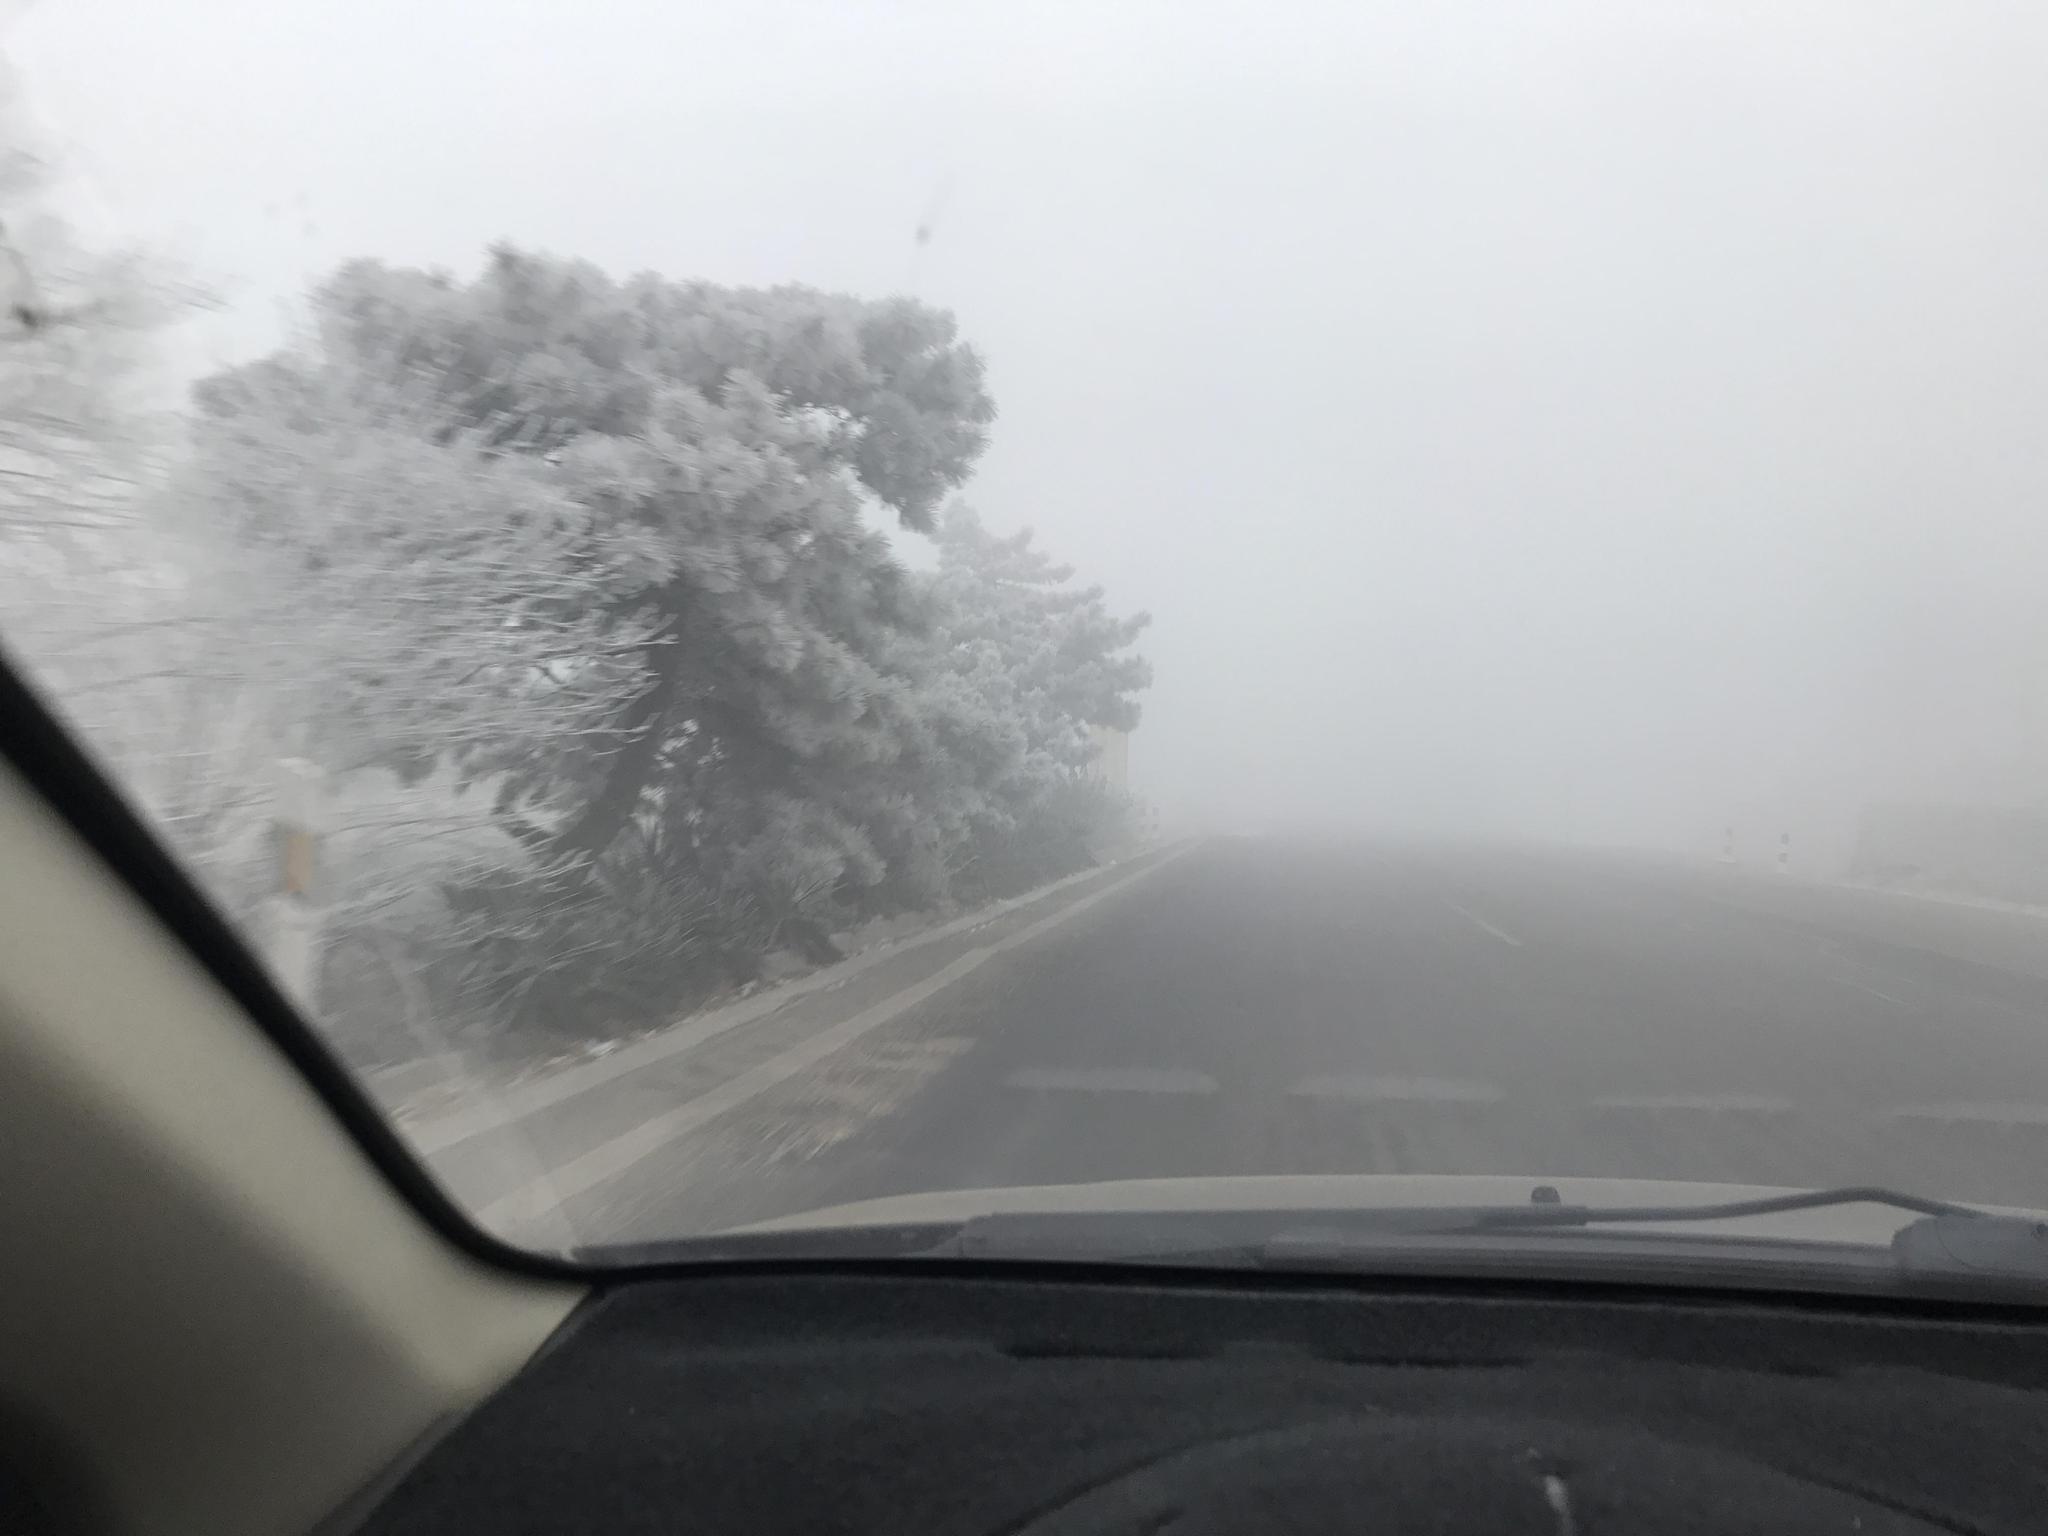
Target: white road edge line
x: 428, y: 1137
x: 1481, y: 923
x: 609, y: 1159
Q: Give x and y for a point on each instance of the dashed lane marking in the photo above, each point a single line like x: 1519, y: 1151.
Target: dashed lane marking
x: 1720, y: 1103
x: 1976, y: 1114
x: 1365, y: 1088
x: 1111, y: 1080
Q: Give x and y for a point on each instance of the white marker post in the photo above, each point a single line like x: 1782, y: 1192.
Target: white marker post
x: 1784, y: 853
x: 1727, y: 845
x: 294, y: 916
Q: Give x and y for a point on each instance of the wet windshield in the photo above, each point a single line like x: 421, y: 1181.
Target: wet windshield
x: 763, y: 608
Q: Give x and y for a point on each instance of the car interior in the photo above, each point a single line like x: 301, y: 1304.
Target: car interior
x: 235, y: 1303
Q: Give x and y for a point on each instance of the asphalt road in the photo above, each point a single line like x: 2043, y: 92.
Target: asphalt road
x: 1257, y: 1007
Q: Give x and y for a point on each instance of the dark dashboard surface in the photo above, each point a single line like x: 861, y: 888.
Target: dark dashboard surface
x: 930, y: 1402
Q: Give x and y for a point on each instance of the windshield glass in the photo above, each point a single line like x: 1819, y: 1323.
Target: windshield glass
x: 1141, y: 607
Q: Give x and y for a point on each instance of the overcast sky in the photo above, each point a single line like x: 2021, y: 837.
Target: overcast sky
x: 1596, y: 419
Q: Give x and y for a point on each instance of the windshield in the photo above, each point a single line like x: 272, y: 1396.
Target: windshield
x: 795, y: 615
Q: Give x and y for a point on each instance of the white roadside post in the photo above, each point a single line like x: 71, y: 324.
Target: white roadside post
x: 1784, y: 853
x: 1727, y: 845
x: 294, y: 916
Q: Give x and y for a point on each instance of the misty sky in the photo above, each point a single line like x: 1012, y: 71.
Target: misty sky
x: 1604, y: 420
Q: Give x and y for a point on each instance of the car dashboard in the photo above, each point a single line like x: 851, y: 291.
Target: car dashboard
x: 950, y: 1400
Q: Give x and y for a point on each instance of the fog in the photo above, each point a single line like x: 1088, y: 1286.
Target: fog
x: 1605, y: 421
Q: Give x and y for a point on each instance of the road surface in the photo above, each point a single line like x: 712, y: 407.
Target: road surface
x: 1251, y: 1006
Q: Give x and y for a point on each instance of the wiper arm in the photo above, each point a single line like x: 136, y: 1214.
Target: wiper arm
x: 1541, y: 1214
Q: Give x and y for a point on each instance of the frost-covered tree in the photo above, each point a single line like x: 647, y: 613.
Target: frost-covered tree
x: 1050, y: 652
x: 400, y: 594
x: 725, y: 442
x: 85, y: 425
x: 80, y: 406
x: 591, y: 566
x: 1044, y: 661
x: 603, y: 547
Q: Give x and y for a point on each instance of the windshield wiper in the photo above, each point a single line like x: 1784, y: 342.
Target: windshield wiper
x: 1276, y: 1239
x: 1948, y: 1242
x: 1949, y: 1239
x: 1542, y: 1212
x: 1546, y: 1212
